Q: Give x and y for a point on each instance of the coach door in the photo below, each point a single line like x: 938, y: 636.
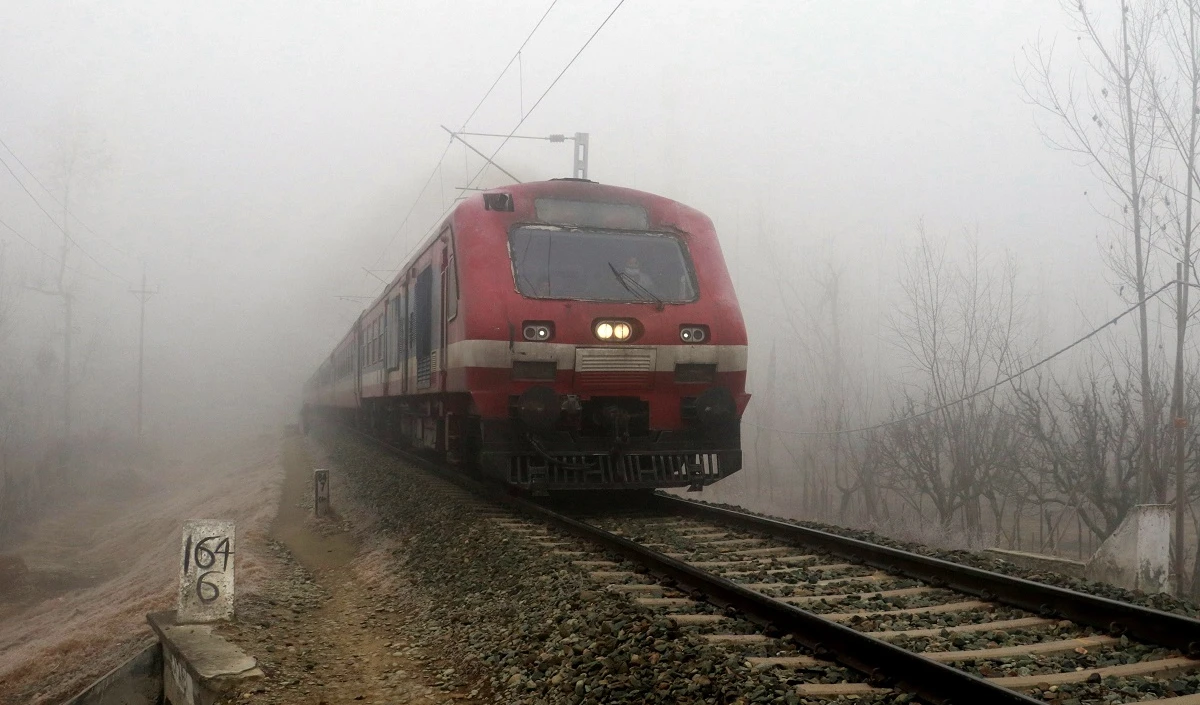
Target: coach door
x: 449, y: 299
x: 423, y: 331
x: 359, y: 358
x: 397, y: 365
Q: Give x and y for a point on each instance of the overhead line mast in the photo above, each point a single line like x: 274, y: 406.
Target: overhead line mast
x: 143, y: 294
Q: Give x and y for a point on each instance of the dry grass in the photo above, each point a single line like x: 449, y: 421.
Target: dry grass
x: 98, y: 566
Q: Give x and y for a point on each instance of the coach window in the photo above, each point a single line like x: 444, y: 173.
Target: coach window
x: 423, y: 314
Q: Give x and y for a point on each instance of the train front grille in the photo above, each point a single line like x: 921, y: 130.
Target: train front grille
x: 603, y: 369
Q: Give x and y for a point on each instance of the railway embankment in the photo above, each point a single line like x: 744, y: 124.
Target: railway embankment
x: 500, y: 618
x: 92, y: 567
x: 417, y: 590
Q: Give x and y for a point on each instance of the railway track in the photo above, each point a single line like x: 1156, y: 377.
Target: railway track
x: 796, y: 599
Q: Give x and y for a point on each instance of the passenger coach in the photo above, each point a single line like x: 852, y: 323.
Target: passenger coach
x: 555, y: 335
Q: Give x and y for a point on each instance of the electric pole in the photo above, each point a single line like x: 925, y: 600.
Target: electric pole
x: 143, y: 294
x: 61, y: 291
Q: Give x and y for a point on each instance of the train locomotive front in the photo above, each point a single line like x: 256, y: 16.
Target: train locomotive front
x: 579, y: 337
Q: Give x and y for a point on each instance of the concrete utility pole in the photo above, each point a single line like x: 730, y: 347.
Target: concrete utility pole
x: 143, y: 295
x: 67, y: 297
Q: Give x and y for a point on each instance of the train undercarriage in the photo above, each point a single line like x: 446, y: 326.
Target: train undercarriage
x: 605, y: 444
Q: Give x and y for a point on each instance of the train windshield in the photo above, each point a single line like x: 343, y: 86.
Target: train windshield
x: 600, y: 265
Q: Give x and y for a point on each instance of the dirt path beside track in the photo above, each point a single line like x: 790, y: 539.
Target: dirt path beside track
x: 316, y: 626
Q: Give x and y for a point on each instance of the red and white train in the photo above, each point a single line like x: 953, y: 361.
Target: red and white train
x: 554, y: 335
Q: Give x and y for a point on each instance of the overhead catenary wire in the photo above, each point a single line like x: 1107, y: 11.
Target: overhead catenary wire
x: 434, y: 172
x: 515, y: 57
x: 549, y: 88
x: 1023, y: 371
x: 437, y: 221
x: 59, y: 226
x: 60, y: 204
x: 20, y: 236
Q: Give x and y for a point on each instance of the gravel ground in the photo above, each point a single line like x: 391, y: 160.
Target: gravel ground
x: 1095, y: 690
x: 514, y: 624
x: 799, y: 579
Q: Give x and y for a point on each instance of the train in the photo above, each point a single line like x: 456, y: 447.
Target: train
x: 555, y: 335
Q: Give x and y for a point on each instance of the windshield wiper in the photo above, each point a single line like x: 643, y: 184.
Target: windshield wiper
x: 626, y: 280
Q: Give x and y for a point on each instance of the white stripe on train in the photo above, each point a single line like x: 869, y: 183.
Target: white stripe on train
x: 496, y: 354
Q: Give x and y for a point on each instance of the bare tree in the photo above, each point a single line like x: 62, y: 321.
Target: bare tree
x: 1177, y: 98
x: 956, y: 331
x: 1108, y: 118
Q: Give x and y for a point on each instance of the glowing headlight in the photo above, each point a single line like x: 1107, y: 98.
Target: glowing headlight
x: 613, y: 330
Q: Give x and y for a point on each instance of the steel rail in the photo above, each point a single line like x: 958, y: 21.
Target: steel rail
x: 879, y: 660
x: 882, y: 662
x: 1140, y: 623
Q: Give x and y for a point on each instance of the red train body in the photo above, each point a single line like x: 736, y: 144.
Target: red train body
x: 555, y: 335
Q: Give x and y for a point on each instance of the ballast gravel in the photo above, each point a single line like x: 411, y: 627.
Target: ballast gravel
x: 976, y: 559
x: 514, y: 623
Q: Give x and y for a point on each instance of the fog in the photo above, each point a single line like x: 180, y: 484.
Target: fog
x: 255, y: 158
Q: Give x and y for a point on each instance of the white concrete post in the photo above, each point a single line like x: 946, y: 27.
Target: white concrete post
x: 206, y: 572
x: 1137, y: 555
x: 1154, y: 548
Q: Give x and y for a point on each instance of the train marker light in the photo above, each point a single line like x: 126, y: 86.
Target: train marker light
x: 693, y: 334
x: 538, y: 331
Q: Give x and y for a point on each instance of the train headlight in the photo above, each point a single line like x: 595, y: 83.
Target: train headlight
x: 611, y: 330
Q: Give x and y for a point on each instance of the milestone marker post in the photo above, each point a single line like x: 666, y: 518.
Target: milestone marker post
x: 320, y: 492
x: 206, y: 572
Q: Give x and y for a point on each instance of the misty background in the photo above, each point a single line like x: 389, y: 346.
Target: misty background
x: 254, y: 158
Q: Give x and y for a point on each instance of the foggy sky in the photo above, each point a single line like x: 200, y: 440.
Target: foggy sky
x: 258, y: 155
